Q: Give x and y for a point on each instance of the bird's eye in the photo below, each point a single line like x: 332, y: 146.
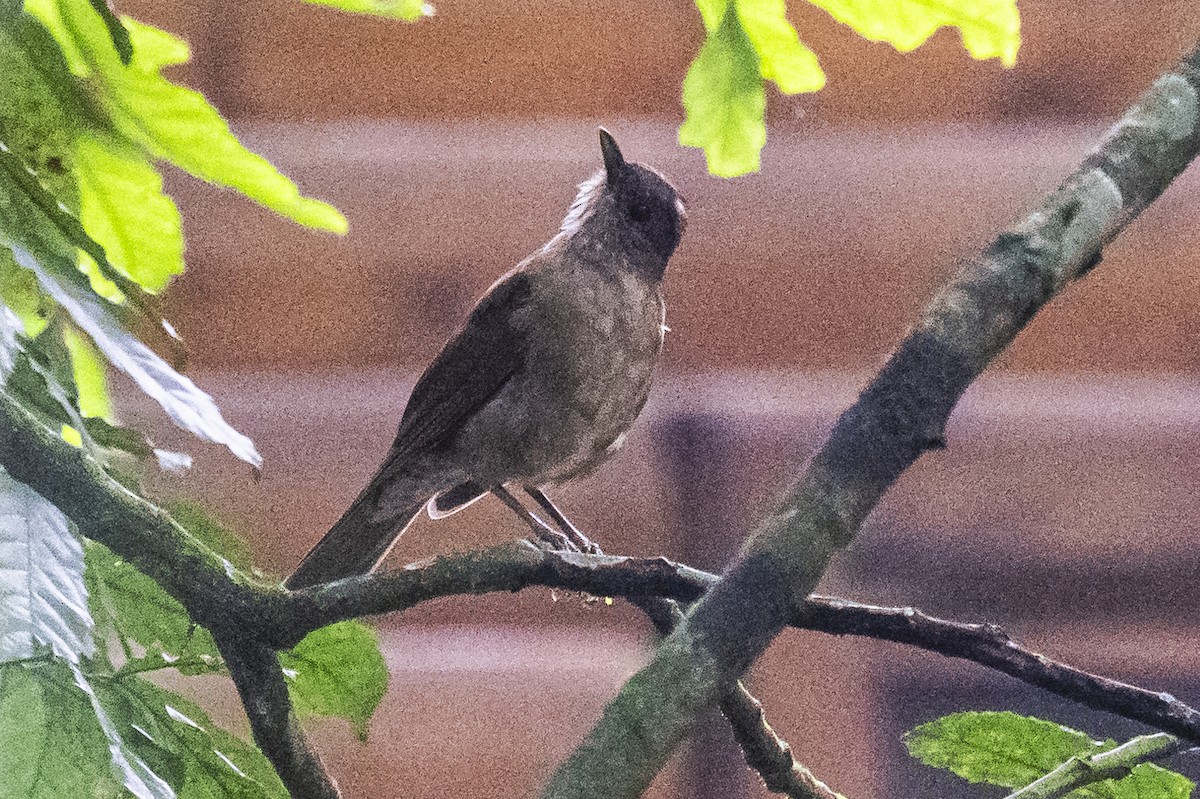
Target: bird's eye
x: 639, y: 213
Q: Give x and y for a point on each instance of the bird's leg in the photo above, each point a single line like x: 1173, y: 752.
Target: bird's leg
x: 571, y: 531
x: 540, y: 529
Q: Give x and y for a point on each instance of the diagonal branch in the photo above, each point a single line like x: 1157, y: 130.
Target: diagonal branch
x: 899, y: 415
x: 1110, y: 764
x: 764, y: 750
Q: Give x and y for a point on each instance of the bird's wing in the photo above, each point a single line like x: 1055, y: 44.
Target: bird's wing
x: 469, y: 371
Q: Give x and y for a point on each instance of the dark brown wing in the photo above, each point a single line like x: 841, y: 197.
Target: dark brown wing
x: 469, y: 371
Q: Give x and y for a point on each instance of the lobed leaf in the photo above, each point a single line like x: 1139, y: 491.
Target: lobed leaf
x: 167, y: 120
x: 724, y: 99
x: 989, y: 28
x: 782, y: 57
x: 122, y: 206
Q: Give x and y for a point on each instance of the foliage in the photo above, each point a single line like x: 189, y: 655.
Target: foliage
x: 1005, y: 749
x: 87, y: 236
x: 751, y: 41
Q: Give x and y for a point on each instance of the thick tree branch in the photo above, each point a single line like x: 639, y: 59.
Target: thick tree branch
x: 901, y: 414
x: 250, y: 619
x: 244, y: 615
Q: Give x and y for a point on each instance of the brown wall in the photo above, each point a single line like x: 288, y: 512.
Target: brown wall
x: 1062, y: 507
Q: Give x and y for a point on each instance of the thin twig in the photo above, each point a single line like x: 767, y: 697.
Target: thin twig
x: 989, y: 645
x: 1111, y: 764
x: 274, y: 619
x: 765, y: 752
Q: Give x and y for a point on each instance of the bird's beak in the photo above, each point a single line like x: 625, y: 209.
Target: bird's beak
x: 613, y: 160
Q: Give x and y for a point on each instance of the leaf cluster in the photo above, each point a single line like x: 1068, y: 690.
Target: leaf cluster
x: 88, y: 239
x: 751, y: 42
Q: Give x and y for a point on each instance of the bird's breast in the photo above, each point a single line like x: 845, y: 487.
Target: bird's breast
x: 604, y: 333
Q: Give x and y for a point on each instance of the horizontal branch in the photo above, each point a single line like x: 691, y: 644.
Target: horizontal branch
x: 518, y: 565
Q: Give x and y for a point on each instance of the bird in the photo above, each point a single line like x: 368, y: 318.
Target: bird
x: 540, y: 384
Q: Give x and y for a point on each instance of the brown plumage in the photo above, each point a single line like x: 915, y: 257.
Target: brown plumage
x: 543, y: 380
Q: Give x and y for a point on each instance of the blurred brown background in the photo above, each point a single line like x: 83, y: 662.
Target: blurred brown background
x: 1063, y: 509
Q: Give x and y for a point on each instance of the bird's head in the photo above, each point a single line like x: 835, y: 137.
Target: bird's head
x: 631, y: 204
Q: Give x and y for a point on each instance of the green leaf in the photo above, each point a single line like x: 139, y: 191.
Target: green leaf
x: 139, y: 612
x: 51, y: 745
x: 989, y: 28
x: 43, y: 600
x: 999, y: 748
x: 184, y: 402
x: 724, y: 99
x: 122, y: 205
x: 337, y: 671
x: 117, y: 32
x: 20, y: 292
x: 34, y: 219
x: 1012, y: 751
x: 782, y: 57
x: 41, y: 108
x: 199, y: 759
x: 1145, y: 780
x: 41, y: 381
x: 407, y: 10
x: 167, y: 120
x: 90, y: 373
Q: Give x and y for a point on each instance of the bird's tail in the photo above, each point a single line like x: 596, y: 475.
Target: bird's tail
x: 361, y: 538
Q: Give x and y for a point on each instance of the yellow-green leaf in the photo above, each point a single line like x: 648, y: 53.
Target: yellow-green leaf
x: 337, y: 671
x: 123, y: 207
x: 169, y: 121
x: 407, y: 10
x: 782, y: 57
x: 724, y: 98
x: 91, y: 375
x: 989, y: 28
